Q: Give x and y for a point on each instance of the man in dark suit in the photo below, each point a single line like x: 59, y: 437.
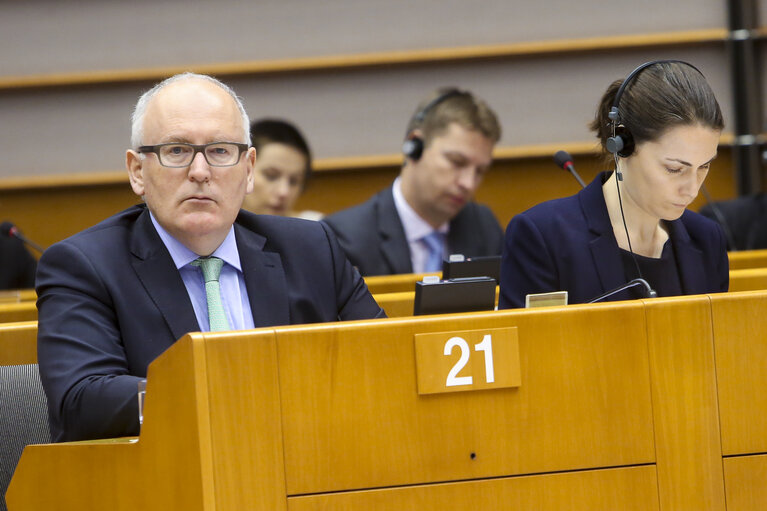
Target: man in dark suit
x: 428, y: 212
x: 115, y: 296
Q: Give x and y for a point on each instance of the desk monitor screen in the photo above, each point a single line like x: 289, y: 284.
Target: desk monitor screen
x: 456, y: 295
x: 487, y: 266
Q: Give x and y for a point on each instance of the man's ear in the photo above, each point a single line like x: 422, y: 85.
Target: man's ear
x: 134, y: 162
x: 250, y: 162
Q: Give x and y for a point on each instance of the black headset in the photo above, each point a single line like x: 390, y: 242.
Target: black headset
x: 622, y: 142
x: 413, y: 145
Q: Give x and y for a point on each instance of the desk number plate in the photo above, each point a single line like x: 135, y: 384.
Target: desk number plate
x: 467, y: 360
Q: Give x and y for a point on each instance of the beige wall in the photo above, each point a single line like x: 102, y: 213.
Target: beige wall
x: 541, y: 99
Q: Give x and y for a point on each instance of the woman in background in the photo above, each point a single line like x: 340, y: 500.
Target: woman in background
x: 661, y: 127
x: 283, y: 167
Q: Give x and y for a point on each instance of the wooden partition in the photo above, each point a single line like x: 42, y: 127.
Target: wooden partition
x: 12, y: 312
x: 380, y: 284
x: 619, y: 406
x: 17, y: 296
x: 750, y: 279
x: 740, y: 333
x: 748, y: 259
x: 18, y: 343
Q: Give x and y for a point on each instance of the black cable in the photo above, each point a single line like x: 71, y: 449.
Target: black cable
x: 623, y: 217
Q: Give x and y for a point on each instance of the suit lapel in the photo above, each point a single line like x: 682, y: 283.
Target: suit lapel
x: 605, y: 253
x: 689, y: 260
x: 394, y: 247
x: 159, y: 276
x: 264, y: 279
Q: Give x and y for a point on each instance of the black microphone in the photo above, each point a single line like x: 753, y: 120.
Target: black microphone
x: 10, y: 230
x: 565, y: 161
x: 649, y: 292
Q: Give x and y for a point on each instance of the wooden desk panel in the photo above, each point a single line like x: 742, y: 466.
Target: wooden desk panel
x: 203, y: 411
x: 624, y: 489
x: 15, y: 312
x: 748, y: 259
x: 745, y: 478
x: 749, y: 279
x: 350, y: 398
x: 17, y: 295
x: 688, y: 451
x: 404, y: 282
x: 740, y: 334
x: 18, y: 343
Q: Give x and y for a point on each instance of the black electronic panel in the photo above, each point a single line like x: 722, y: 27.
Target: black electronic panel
x: 455, y: 295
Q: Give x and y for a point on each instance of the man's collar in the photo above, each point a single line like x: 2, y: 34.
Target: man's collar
x: 415, y: 227
x: 182, y: 255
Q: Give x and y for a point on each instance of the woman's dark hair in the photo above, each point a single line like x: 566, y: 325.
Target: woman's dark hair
x: 662, y: 96
x: 271, y: 131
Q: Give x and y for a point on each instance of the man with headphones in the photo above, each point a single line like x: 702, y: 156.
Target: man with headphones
x: 428, y: 212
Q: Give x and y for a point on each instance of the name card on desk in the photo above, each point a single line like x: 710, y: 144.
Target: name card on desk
x: 467, y: 360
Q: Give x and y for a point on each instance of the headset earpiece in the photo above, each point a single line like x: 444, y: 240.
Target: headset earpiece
x: 622, y: 143
x: 413, y: 147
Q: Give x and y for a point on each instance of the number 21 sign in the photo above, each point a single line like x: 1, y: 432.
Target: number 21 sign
x: 467, y: 360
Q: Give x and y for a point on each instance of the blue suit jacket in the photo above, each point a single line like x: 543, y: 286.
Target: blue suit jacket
x: 568, y: 244
x: 373, y: 238
x: 111, y: 300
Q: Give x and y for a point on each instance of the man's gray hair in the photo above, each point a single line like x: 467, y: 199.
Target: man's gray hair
x: 137, y: 120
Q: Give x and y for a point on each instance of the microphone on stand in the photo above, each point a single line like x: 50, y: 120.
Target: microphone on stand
x: 649, y: 292
x: 565, y: 161
x: 10, y: 230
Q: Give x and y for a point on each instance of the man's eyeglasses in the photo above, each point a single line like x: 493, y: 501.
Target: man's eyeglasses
x: 217, y: 154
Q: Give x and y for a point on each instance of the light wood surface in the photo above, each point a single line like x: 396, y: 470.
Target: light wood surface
x: 379, y: 284
x: 748, y: 259
x: 745, y: 478
x: 13, y: 312
x: 581, y: 404
x: 624, y: 489
x: 377, y: 59
x: 749, y: 279
x: 396, y: 305
x: 17, y: 295
x: 740, y: 323
x: 184, y: 456
x: 688, y: 451
x: 18, y: 343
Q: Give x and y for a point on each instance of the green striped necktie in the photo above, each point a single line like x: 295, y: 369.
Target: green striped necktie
x: 211, y: 269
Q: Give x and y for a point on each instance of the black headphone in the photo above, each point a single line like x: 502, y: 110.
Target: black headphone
x: 622, y: 142
x: 413, y: 145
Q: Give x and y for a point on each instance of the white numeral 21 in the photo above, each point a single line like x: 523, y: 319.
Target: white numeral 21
x: 486, y: 345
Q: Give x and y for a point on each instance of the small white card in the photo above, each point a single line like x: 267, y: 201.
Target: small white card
x: 546, y: 299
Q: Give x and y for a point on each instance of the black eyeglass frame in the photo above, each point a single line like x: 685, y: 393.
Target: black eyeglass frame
x: 198, y: 148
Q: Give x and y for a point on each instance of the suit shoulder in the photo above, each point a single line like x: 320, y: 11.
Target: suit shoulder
x: 551, y: 210
x: 112, y: 228
x: 355, y: 219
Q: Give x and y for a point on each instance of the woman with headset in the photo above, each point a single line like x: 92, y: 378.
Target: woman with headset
x: 661, y: 127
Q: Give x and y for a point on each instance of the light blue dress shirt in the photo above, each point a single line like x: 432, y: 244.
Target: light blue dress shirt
x: 232, y: 282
